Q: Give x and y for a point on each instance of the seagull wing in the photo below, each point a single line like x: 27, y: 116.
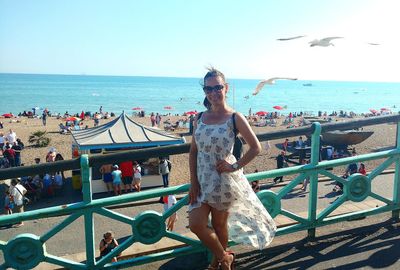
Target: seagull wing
x: 329, y: 39
x: 270, y: 81
x: 289, y: 38
x: 259, y: 86
x: 375, y: 44
x: 285, y: 78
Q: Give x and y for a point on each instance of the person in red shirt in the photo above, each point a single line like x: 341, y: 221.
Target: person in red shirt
x: 9, y: 154
x: 126, y: 168
x: 362, y: 169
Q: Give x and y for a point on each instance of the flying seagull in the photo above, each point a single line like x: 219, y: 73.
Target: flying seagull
x: 324, y: 42
x: 289, y: 38
x: 374, y: 44
x: 270, y: 81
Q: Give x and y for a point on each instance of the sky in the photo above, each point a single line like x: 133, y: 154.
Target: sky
x: 180, y: 38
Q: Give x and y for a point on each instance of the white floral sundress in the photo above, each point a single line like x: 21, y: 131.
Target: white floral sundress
x: 249, y: 222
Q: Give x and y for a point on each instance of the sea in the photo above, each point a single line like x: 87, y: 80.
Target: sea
x: 169, y: 95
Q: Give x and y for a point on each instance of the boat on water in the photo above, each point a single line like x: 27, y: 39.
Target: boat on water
x: 307, y: 84
x: 309, y: 121
x: 345, y: 137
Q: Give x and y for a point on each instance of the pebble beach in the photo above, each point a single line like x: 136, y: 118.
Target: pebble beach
x: 383, y: 138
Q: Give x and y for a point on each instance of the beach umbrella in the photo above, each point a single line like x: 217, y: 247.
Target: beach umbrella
x: 261, y: 113
x: 373, y: 111
x: 278, y: 108
x: 8, y: 115
x: 191, y: 113
x: 168, y: 108
x: 72, y: 118
x: 137, y: 109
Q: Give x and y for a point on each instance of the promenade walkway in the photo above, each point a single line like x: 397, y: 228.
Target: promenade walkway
x: 336, y: 248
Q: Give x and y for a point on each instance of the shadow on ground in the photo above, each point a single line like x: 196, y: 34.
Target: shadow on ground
x: 370, y: 247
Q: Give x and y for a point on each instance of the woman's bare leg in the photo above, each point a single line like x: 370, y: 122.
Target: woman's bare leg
x: 219, y: 221
x: 198, y: 221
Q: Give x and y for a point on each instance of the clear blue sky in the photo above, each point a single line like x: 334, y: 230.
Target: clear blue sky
x: 180, y: 37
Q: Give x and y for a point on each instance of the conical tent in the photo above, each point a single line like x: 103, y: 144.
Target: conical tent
x: 123, y: 132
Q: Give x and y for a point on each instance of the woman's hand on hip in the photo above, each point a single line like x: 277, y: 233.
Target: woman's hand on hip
x: 223, y: 166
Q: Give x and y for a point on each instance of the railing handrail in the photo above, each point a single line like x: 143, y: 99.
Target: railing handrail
x: 95, y: 160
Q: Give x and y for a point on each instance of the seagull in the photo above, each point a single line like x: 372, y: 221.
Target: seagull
x: 289, y: 38
x: 374, y: 44
x: 324, y: 42
x: 270, y: 81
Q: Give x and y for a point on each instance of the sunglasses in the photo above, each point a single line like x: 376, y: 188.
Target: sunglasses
x: 210, y: 89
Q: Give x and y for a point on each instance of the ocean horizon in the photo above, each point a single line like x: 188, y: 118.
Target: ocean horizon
x: 76, y: 93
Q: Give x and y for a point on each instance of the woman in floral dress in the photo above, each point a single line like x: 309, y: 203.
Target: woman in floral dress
x: 218, y: 185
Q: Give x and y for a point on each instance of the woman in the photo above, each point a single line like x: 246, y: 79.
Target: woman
x: 59, y: 157
x: 107, y: 244
x: 117, y: 180
x: 218, y: 186
x: 137, y: 176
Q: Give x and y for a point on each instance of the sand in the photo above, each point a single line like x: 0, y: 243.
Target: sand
x: 383, y: 137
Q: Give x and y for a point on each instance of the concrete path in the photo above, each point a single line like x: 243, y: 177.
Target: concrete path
x: 70, y: 242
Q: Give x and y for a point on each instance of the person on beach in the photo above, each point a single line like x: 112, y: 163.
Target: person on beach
x: 137, y: 176
x: 152, y: 119
x: 218, y: 185
x: 306, y: 180
x: 82, y: 116
x: 51, y: 155
x: 285, y: 145
x: 17, y: 191
x: 107, y: 244
x: 116, y: 176
x: 164, y: 168
x: 2, y: 140
x: 362, y: 169
x: 169, y: 201
x: 18, y: 147
x: 106, y: 170
x: 126, y: 168
x: 44, y: 117
x: 280, y: 163
x: 59, y: 157
x: 9, y: 154
x: 11, y: 137
x: 158, y: 120
x: 8, y: 203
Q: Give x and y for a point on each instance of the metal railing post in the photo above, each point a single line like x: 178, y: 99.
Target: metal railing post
x: 396, y: 184
x: 315, y: 154
x: 87, y: 198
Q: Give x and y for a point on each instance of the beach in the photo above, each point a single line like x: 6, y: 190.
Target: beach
x: 383, y: 137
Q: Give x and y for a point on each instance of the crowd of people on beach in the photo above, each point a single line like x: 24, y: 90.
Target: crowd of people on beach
x: 26, y: 188
x: 29, y: 189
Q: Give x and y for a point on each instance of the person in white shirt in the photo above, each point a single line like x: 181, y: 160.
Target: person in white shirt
x: 17, y: 191
x: 11, y: 137
x: 170, y: 201
x: 2, y: 140
x: 137, y: 176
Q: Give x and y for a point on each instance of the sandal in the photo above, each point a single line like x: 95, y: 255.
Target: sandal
x: 225, y: 260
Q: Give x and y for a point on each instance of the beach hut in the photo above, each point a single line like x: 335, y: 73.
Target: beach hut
x: 122, y: 133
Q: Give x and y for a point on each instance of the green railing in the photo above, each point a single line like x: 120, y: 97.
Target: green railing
x: 26, y: 251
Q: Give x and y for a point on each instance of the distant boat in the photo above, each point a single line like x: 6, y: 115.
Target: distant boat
x: 307, y: 84
x: 310, y: 120
x: 346, y: 137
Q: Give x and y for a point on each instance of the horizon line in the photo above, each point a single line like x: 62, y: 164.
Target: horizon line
x: 165, y: 76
